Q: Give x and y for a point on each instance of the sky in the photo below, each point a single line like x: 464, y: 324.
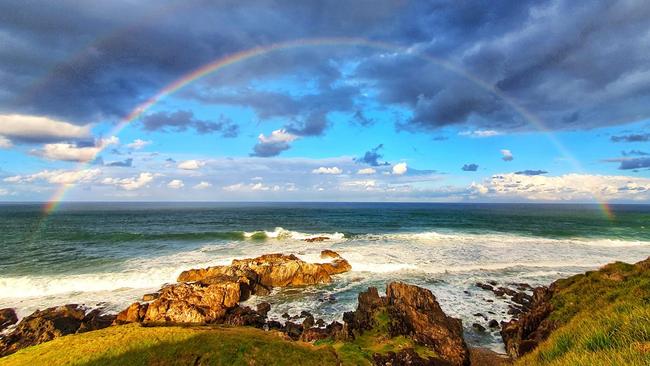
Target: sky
x: 441, y: 101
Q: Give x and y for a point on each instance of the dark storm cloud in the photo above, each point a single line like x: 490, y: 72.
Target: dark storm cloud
x: 372, y: 157
x: 128, y: 163
x: 470, y: 167
x: 314, y: 124
x: 269, y: 149
x: 558, y: 59
x: 360, y: 118
x: 531, y: 172
x: 184, y: 120
x: 634, y: 153
x: 637, y: 163
x: 635, y: 137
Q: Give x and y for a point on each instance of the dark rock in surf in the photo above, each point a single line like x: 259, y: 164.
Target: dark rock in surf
x: 8, y: 318
x: 263, y: 308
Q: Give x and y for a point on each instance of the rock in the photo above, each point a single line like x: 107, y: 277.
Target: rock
x: 498, y: 292
x: 304, y: 314
x: 486, y: 357
x: 133, y: 314
x: 272, y: 270
x: 414, y: 312
x: 150, y: 297
x: 263, y: 308
x: 274, y: 325
x: 481, y: 315
x: 293, y: 330
x: 492, y: 282
x: 8, y: 318
x: 95, y: 319
x: 484, y: 286
x: 320, y: 322
x: 44, y: 325
x: 521, y: 286
x: 522, y: 298
x: 478, y: 327
x: 313, y: 334
x: 286, y: 316
x: 493, y: 324
x: 244, y: 316
x: 308, y: 322
x: 329, y: 254
x: 522, y: 335
x: 202, y: 302
x: 363, y: 318
x: 317, y: 238
x: 404, y: 357
x: 513, y: 310
x: 507, y: 291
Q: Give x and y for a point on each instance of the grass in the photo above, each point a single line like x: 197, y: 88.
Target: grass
x: 136, y: 345
x: 602, y: 318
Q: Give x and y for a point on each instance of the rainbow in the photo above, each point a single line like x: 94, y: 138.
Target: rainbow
x: 244, y: 55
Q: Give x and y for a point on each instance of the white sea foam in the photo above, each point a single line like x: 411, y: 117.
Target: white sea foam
x: 283, y: 234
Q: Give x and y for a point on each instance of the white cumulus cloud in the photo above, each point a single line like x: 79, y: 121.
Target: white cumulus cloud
x: 176, y: 184
x: 35, y: 128
x: 366, y: 171
x: 506, y: 155
x: 326, y: 170
x: 203, y: 185
x: 71, y: 152
x: 57, y: 176
x: 191, y: 164
x: 479, y: 133
x: 138, y: 144
x: 400, y: 168
x: 131, y: 183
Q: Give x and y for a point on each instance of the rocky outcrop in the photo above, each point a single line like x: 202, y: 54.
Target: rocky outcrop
x: 45, y: 325
x: 412, y: 312
x: 212, y: 295
x: 406, y: 357
x: 522, y: 335
x: 8, y: 318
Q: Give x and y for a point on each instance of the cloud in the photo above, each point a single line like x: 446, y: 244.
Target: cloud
x: 479, y: 133
x: 34, y: 129
x: 361, y: 119
x: 74, y: 152
x: 176, y: 184
x: 569, y: 187
x: 5, y: 143
x: 366, y: 171
x: 252, y: 187
x: 138, y: 144
x: 277, y: 142
x: 634, y: 153
x: 191, y: 164
x: 640, y: 137
x: 400, y: 168
x: 57, y: 176
x: 203, y: 185
x: 183, y: 120
x: 125, y: 164
x: 4, y: 192
x: 314, y: 124
x: 470, y: 167
x: 132, y: 183
x: 531, y: 172
x: 372, y: 157
x: 635, y: 163
x: 506, y: 155
x: 325, y: 170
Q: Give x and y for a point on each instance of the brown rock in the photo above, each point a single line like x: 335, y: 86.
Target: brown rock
x: 486, y: 357
x: 484, y: 286
x: 327, y: 253
x: 522, y: 335
x: 150, y: 297
x: 244, y: 316
x: 44, y: 325
x: 415, y: 312
x: 133, y: 314
x: 263, y: 308
x: 8, y: 317
x: 318, y: 238
x: 404, y: 357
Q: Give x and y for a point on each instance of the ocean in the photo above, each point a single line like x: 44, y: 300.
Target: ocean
x: 110, y: 254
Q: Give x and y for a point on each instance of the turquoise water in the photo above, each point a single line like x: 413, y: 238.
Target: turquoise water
x: 110, y: 254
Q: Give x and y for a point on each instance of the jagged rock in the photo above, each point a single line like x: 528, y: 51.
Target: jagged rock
x: 263, y: 308
x: 363, y: 318
x: 318, y: 238
x: 522, y: 298
x: 507, y: 291
x: 44, y: 325
x: 415, y: 312
x: 404, y: 357
x: 492, y: 282
x: 273, y: 270
x: 522, y: 335
x: 293, y: 330
x: 244, y: 316
x: 320, y: 322
x: 150, y: 297
x: 8, y: 318
x: 133, y: 314
x: 484, y: 286
x: 478, y: 327
x: 327, y: 253
x: 308, y: 322
x: 493, y: 323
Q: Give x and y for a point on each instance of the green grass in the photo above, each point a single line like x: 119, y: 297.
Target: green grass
x: 602, y: 318
x: 136, y: 345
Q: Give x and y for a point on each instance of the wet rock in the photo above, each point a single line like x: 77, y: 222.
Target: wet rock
x: 150, y: 297
x: 513, y: 310
x: 493, y: 324
x: 263, y: 308
x: 507, y: 291
x: 96, y: 319
x: 44, y: 325
x: 244, y: 316
x: 320, y: 322
x: 314, y: 334
x: 492, y: 282
x: 498, y: 292
x: 274, y: 325
x: 308, y: 322
x: 522, y: 298
x: 466, y: 292
x: 293, y: 330
x: 363, y: 318
x: 480, y: 315
x: 304, y: 314
x: 521, y: 286
x: 8, y: 318
x: 522, y: 335
x: 315, y: 239
x: 484, y: 286
x: 478, y: 327
x: 404, y: 357
x: 286, y: 316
